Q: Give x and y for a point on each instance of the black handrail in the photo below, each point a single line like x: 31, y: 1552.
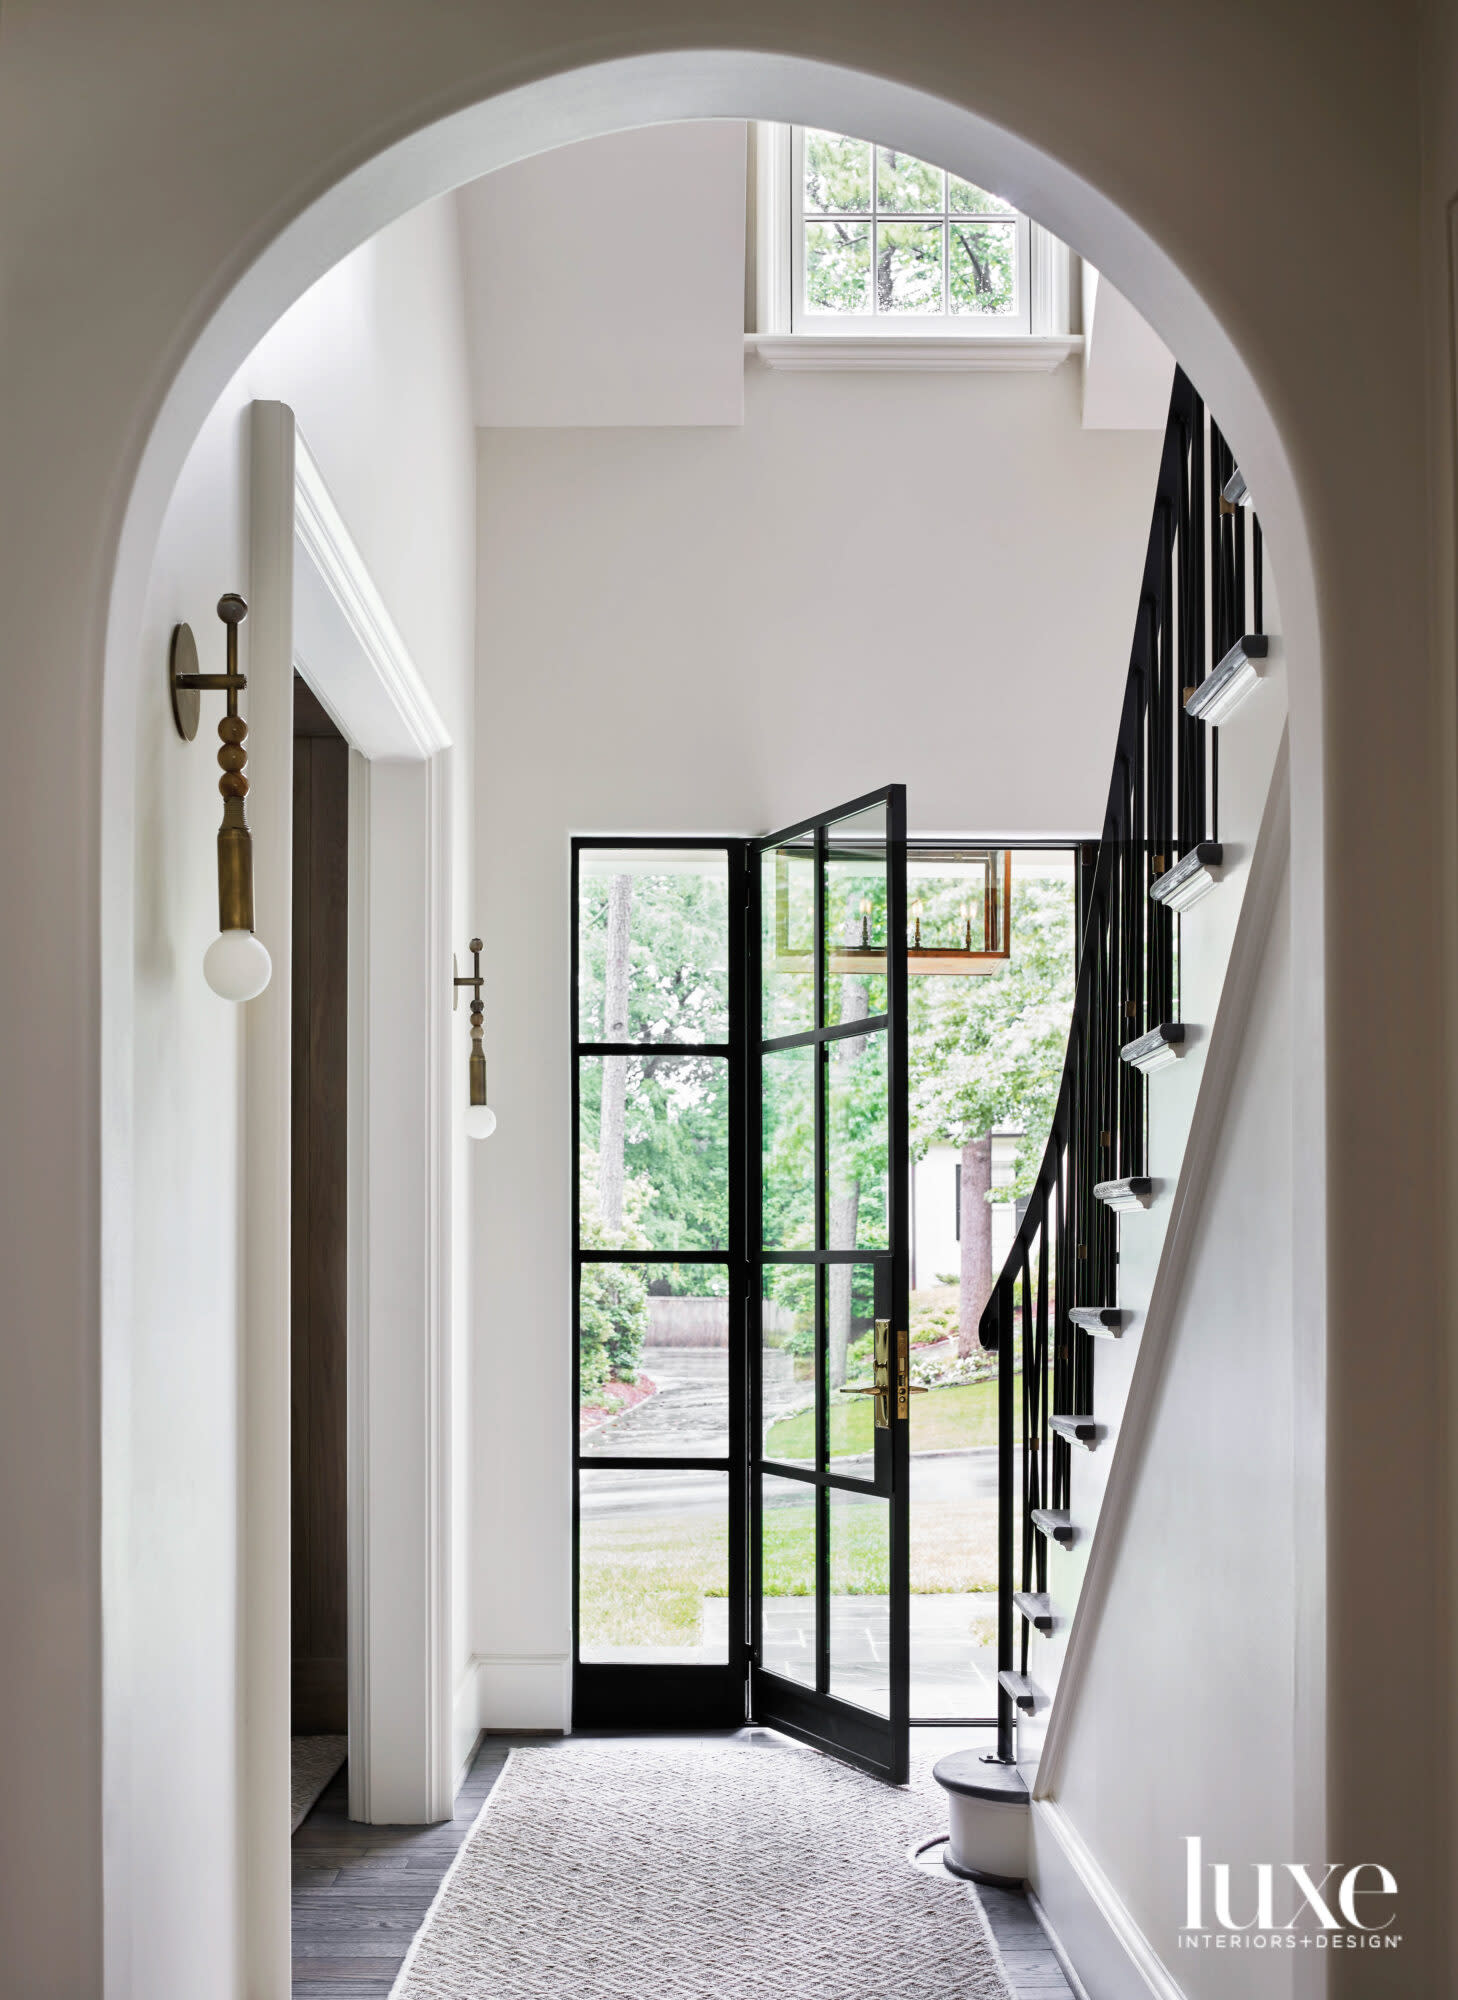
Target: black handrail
x: 1163, y: 801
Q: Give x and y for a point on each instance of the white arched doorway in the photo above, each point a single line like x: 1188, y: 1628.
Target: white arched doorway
x: 551, y: 112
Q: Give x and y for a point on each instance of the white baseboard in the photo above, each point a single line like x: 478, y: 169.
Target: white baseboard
x: 523, y: 1691
x: 1092, y: 1924
x: 465, y: 1721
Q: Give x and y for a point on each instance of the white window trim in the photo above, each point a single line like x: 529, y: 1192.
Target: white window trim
x: 1043, y: 343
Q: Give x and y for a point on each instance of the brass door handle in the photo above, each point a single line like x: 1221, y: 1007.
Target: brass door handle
x: 881, y: 1409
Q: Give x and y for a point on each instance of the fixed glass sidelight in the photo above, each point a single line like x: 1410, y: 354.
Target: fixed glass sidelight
x: 658, y: 1284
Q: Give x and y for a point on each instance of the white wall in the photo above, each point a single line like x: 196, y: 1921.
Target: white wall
x: 1127, y: 369
x: 605, y: 281
x: 373, y: 363
x: 679, y: 633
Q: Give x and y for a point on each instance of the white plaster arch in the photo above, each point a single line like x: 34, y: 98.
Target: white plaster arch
x: 556, y: 110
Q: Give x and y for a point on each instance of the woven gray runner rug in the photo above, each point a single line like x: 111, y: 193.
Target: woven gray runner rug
x: 666, y: 1870
x: 315, y: 1759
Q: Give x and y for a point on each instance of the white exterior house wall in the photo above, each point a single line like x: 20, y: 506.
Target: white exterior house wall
x: 936, y: 1240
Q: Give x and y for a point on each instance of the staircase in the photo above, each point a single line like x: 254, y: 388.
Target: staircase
x: 1159, y: 898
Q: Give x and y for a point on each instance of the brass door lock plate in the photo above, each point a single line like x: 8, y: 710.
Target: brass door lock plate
x: 905, y: 1387
x: 880, y: 1385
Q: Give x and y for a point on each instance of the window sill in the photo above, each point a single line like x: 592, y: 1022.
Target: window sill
x: 1019, y: 353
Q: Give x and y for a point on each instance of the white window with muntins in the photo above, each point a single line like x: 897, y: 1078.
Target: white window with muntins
x: 884, y: 243
x: 859, y: 244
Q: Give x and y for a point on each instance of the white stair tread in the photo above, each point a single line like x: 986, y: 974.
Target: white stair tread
x: 1078, y: 1430
x: 1026, y: 1693
x: 1055, y: 1523
x: 1106, y: 1321
x: 1036, y: 1607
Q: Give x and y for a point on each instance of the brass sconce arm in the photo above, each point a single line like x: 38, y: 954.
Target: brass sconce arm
x: 480, y: 1118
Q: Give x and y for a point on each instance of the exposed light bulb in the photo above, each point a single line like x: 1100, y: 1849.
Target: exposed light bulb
x: 480, y: 1121
x: 237, y: 965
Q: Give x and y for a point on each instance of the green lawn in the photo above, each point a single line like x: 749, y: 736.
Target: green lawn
x: 942, y: 1420
x: 644, y: 1578
x: 858, y: 1553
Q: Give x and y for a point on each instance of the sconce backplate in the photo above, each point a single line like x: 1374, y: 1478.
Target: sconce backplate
x: 182, y: 659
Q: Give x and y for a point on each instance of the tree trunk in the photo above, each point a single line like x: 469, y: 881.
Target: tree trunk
x: 843, y: 1219
x: 976, y: 1276
x: 614, y: 1068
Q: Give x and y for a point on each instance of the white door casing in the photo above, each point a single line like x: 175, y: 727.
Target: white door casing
x: 314, y: 606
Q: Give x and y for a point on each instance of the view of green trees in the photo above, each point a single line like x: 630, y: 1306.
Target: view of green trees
x: 985, y: 1052
x: 653, y: 943
x: 870, y: 255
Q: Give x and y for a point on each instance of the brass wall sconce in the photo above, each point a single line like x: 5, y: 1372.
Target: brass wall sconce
x: 236, y: 964
x: 480, y: 1118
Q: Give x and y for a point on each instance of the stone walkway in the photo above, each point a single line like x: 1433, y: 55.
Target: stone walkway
x: 688, y: 1416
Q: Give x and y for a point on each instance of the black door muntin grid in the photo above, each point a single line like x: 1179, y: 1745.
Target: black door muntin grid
x: 877, y: 1742
x: 668, y: 1696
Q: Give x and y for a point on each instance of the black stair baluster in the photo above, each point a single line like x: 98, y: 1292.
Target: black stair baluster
x: 1053, y: 1474
x: 1032, y: 1435
x: 1126, y: 983
x: 1257, y: 578
x: 1003, y: 1312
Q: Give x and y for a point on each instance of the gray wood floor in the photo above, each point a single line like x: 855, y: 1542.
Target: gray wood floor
x: 361, y: 1893
x: 1032, y: 1964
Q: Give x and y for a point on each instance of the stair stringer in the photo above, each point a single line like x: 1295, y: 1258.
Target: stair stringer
x: 1189, y: 1684
x: 1254, y: 791
x: 1180, y: 1211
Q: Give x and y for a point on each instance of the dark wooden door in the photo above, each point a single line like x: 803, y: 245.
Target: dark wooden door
x: 320, y: 1226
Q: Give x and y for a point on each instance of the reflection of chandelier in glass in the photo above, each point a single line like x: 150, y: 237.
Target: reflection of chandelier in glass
x: 977, y: 940
x: 958, y: 918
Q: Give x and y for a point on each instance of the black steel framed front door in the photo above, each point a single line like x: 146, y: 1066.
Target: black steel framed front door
x: 828, y: 1305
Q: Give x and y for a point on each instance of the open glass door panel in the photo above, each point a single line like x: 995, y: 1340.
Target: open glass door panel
x: 828, y: 1232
